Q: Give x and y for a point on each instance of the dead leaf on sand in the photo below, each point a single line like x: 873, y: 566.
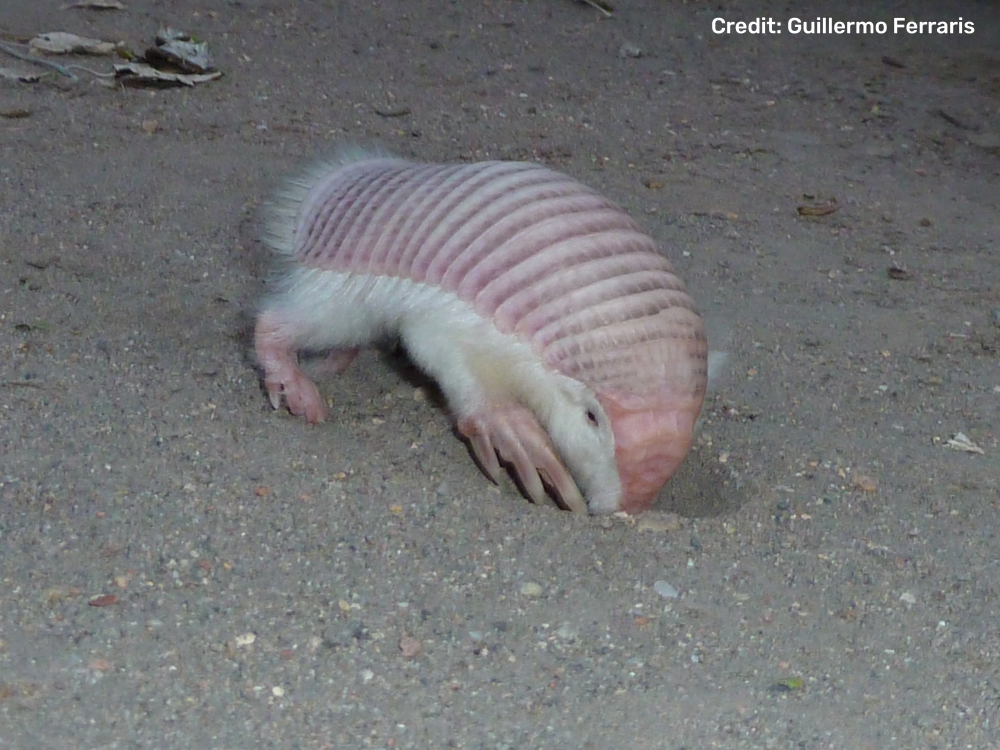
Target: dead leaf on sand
x: 63, y: 43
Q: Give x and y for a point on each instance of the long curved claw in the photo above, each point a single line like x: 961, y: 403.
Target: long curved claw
x: 514, y: 453
x: 560, y: 480
x: 485, y: 453
x: 512, y: 432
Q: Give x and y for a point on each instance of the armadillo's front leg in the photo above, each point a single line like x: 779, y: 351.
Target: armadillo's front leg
x: 282, y: 376
x: 512, y: 432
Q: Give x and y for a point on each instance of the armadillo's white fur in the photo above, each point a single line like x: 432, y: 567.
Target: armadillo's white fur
x: 462, y: 351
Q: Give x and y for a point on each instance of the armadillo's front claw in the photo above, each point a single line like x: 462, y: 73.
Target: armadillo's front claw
x: 513, y: 432
x: 513, y: 452
x: 569, y: 494
x: 486, y: 454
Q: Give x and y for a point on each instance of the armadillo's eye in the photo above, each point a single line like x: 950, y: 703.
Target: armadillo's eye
x: 592, y: 418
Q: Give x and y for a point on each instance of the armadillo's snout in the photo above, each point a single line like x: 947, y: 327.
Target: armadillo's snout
x: 652, y: 438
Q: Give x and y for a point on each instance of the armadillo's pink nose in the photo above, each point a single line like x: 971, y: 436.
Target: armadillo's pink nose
x: 651, y: 441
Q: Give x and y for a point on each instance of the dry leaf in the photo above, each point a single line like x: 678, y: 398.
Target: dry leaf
x: 105, y: 600
x: 821, y: 209
x: 140, y: 74
x: 62, y: 43
x: 961, y: 442
x: 178, y: 49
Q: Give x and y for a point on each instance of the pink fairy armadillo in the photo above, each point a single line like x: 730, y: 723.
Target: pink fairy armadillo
x: 559, y: 335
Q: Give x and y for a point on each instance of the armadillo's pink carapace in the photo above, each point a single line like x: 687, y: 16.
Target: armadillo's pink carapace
x: 560, y: 336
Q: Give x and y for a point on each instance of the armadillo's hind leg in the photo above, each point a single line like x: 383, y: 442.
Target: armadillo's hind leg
x: 338, y: 360
x: 512, y: 432
x: 278, y: 355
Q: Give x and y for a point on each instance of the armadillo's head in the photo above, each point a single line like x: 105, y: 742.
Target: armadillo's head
x: 653, y: 434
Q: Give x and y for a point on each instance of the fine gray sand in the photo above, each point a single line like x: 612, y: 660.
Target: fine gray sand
x: 181, y: 567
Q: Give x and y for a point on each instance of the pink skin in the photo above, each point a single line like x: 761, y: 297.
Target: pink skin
x: 653, y: 434
x: 512, y: 432
x: 282, y: 377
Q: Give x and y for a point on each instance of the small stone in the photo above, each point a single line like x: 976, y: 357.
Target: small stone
x: 410, y: 647
x: 864, y: 483
x: 277, y: 691
x: 629, y: 50
x: 665, y: 590
x: 531, y: 590
x: 907, y: 598
x: 566, y: 632
x: 898, y: 273
x: 658, y: 522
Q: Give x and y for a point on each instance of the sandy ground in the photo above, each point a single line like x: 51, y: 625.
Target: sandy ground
x: 266, y: 583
